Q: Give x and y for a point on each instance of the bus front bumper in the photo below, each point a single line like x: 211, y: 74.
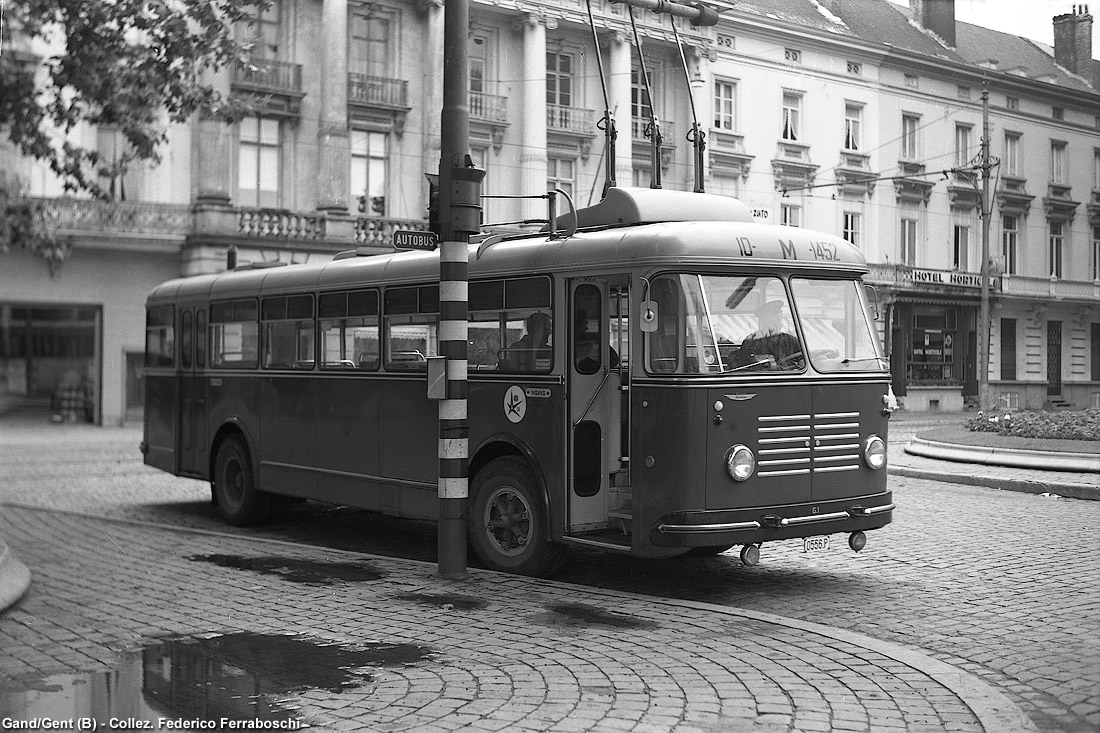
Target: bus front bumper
x: 747, y: 526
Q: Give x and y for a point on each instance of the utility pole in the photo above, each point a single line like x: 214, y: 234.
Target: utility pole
x: 459, y: 217
x: 987, y: 211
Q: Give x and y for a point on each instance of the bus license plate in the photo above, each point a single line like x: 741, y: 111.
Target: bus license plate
x: 815, y: 544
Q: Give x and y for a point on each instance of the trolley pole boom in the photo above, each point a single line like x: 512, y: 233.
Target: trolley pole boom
x: 697, y: 13
x: 459, y: 217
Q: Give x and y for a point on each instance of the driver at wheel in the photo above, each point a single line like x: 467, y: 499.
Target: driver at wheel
x: 773, y: 338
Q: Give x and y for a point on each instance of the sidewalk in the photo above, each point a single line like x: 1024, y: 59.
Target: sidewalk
x: 422, y: 653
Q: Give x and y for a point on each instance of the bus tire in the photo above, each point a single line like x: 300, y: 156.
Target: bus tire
x: 239, y: 501
x: 508, y: 520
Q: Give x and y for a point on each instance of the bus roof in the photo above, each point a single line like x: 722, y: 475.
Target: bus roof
x: 650, y: 228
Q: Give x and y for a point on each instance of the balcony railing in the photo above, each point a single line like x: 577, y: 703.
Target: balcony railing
x: 84, y: 216
x: 280, y: 224
x: 378, y: 91
x: 638, y: 127
x: 1050, y: 287
x: 379, y: 232
x: 268, y: 75
x: 560, y: 118
x: 488, y: 107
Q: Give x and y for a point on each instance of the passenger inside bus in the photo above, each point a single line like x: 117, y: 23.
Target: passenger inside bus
x: 532, y: 351
x: 772, y: 342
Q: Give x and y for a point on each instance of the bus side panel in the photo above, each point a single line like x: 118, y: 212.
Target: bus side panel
x: 287, y: 429
x: 841, y: 411
x: 234, y: 397
x: 349, y: 424
x: 668, y: 457
x: 540, y: 428
x: 409, y: 447
x: 161, y: 419
x: 771, y: 421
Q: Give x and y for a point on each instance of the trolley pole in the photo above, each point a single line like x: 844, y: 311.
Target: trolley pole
x: 987, y: 211
x: 459, y: 217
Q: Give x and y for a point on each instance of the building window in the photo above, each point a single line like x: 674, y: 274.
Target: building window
x: 640, y: 107
x: 1010, y: 242
x: 1096, y: 252
x: 912, y: 81
x: 369, y: 163
x: 1096, y: 170
x: 961, y: 259
x: 258, y: 163
x: 1057, y: 161
x: 790, y: 215
x: 478, y: 62
x: 1058, y: 113
x: 792, y: 113
x: 725, y: 105
x: 559, y: 78
x: 852, y: 225
x: 1012, y: 103
x: 854, y: 67
x: 910, y: 125
x: 909, y: 241
x: 560, y: 173
x: 371, y: 46
x: 1012, y: 160
x: 853, y: 120
x: 1008, y: 349
x: 261, y: 31
x: 1057, y: 242
x: 962, y: 145
x: 793, y: 55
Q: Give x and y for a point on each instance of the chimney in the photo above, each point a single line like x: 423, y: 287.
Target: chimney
x: 937, y: 16
x: 1073, y: 40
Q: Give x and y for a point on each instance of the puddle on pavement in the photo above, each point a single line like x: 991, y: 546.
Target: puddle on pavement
x: 240, y: 677
x: 445, y: 600
x: 582, y: 614
x: 309, y: 572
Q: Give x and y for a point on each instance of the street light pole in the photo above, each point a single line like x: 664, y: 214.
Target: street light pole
x: 987, y: 211
x: 459, y: 217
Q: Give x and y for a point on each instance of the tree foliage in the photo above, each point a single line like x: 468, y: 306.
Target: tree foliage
x: 132, y: 65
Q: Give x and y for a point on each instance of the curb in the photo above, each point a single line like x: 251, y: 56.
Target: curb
x: 993, y: 709
x: 1073, y: 491
x: 1011, y: 457
x: 15, y: 578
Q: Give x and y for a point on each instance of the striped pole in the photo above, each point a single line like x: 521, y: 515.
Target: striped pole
x: 459, y: 217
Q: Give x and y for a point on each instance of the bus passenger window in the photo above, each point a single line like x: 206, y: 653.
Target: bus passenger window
x: 234, y: 334
x: 587, y: 317
x: 348, y: 328
x: 412, y: 326
x: 288, y: 332
x: 160, y: 345
x: 532, y: 351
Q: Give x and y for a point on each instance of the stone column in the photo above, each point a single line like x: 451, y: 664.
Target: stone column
x: 619, y: 90
x: 533, y: 150
x: 213, y: 158
x: 332, y: 135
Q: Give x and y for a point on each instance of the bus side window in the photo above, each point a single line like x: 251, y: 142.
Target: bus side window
x: 234, y: 334
x: 348, y: 329
x: 412, y: 326
x: 159, y: 337
x: 288, y: 332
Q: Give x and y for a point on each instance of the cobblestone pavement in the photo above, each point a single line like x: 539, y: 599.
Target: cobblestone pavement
x: 997, y: 584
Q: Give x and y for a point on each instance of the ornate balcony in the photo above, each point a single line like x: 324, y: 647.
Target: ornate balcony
x: 275, y: 86
x: 571, y: 120
x: 488, y: 117
x: 378, y: 100
x: 90, y: 219
x: 727, y: 154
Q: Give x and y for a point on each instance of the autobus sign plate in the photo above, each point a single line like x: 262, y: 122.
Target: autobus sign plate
x: 815, y: 544
x: 412, y: 239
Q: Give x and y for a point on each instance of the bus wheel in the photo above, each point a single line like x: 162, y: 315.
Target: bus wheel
x: 507, y: 525
x: 240, y: 502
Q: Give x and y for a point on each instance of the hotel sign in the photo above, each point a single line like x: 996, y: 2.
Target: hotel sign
x: 950, y: 277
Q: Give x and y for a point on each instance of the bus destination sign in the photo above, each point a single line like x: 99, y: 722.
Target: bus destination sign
x: 412, y: 239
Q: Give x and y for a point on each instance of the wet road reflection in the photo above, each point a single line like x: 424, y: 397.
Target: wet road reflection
x: 235, y: 677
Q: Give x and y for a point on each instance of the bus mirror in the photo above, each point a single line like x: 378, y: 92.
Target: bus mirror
x: 437, y: 377
x: 648, y: 317
x: 872, y: 299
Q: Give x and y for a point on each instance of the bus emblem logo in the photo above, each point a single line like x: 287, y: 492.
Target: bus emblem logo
x: 740, y: 397
x: 515, y: 404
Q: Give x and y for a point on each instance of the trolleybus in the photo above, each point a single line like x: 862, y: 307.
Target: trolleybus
x: 692, y: 381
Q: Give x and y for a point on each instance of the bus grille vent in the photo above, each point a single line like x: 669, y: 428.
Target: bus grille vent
x: 792, y: 445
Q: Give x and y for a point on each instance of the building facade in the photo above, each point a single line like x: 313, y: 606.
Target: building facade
x: 859, y: 117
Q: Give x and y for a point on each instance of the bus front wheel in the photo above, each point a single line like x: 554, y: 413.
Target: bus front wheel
x: 240, y: 502
x: 508, y: 522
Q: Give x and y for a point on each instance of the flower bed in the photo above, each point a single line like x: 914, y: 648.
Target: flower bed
x: 1066, y: 425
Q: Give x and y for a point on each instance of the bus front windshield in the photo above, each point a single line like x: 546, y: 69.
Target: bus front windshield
x: 710, y: 324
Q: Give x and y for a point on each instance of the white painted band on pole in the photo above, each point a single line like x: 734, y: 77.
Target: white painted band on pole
x: 456, y: 368
x: 452, y: 409
x: 454, y: 488
x: 454, y: 447
x: 454, y: 252
x: 454, y: 290
x: 453, y: 331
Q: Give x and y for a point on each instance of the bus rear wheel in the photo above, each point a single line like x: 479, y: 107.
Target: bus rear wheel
x: 508, y: 521
x: 240, y: 502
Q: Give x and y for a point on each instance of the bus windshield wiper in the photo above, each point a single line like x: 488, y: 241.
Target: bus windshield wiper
x: 856, y: 359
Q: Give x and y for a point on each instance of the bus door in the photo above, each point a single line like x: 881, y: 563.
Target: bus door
x: 192, y: 391
x: 594, y: 405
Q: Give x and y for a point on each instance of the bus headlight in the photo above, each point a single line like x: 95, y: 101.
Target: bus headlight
x: 740, y: 463
x: 874, y: 452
